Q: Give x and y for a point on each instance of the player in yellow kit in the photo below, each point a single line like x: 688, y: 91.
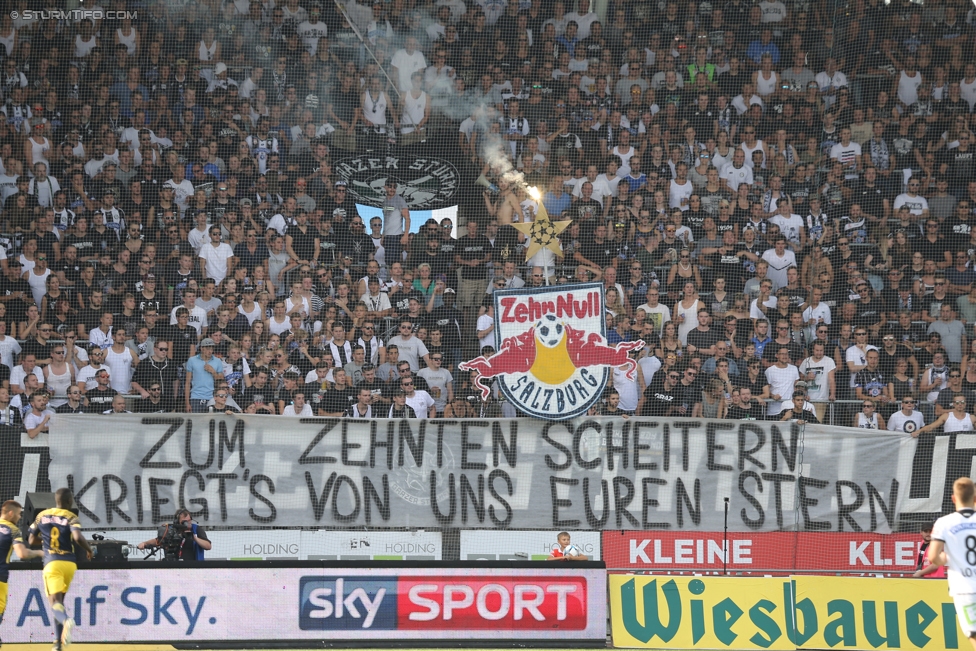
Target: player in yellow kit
x: 59, y: 531
x: 11, y: 542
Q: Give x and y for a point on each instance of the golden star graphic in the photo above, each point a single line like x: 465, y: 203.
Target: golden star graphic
x: 542, y: 233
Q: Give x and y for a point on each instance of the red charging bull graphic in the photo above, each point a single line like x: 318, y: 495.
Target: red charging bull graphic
x: 553, y: 360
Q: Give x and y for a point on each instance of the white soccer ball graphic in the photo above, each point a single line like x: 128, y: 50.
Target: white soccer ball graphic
x: 572, y: 550
x: 549, y: 331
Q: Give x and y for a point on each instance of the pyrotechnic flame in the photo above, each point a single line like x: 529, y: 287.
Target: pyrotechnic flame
x: 534, y: 193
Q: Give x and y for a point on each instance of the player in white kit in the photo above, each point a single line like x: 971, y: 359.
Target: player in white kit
x: 954, y: 544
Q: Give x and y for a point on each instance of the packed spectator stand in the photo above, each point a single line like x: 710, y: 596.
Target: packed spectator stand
x: 778, y: 199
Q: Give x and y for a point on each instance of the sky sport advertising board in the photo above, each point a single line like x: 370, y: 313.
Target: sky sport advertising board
x: 183, y: 605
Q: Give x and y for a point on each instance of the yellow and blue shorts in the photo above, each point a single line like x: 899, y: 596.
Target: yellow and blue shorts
x: 3, y: 596
x: 58, y: 576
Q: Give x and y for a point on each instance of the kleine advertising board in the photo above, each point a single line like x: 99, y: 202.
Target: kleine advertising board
x: 244, y: 602
x: 778, y: 551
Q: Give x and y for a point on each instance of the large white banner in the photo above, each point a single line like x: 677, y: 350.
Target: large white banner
x: 132, y: 471
x: 185, y: 605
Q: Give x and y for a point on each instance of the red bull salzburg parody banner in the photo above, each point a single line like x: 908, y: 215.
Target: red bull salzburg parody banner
x: 589, y: 474
x: 553, y: 360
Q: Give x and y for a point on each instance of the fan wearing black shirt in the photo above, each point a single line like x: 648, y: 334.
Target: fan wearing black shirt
x: 871, y: 196
x: 598, y: 254
x: 157, y: 370
x: 91, y: 317
x: 747, y: 409
x: 75, y: 403
x: 182, y: 336
x: 260, y: 393
x: 100, y: 398
x: 659, y: 397
x: 339, y: 208
x: 727, y: 263
x: 472, y: 254
x: 337, y: 399
x: 439, y: 262
x: 587, y: 209
x: 14, y: 291
x: 356, y: 244
x: 702, y: 339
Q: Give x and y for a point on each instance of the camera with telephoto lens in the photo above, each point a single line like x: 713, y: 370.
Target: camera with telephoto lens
x: 172, y: 536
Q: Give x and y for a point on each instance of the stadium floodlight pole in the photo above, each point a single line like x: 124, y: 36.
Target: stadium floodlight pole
x: 725, y: 540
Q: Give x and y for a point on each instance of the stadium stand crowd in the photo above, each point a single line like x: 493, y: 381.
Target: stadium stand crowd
x: 778, y: 197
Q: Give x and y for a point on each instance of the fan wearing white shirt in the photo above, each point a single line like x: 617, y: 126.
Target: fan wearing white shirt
x: 407, y: 61
x: 28, y: 366
x: 779, y: 259
x: 773, y: 11
x: 253, y: 82
x: 610, y: 177
x: 200, y: 233
x: 377, y: 303
x: 782, y: 377
x: 817, y: 312
x: 198, y: 316
x: 790, y: 224
x: 906, y: 419
x: 737, y: 172
x: 584, y: 19
x: 680, y: 188
x: 848, y: 154
x: 830, y: 80
x: 747, y: 98
x: 298, y: 407
x: 42, y: 186
x: 312, y: 29
x: 215, y: 257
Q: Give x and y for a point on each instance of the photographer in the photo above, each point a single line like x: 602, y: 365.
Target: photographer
x: 181, y: 540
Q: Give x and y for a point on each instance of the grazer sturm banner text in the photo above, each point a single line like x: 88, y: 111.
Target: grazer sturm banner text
x: 584, y: 474
x: 799, y: 612
x: 153, y: 603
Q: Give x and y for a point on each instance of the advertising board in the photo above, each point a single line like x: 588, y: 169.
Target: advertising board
x: 304, y: 545
x: 799, y: 612
x: 222, y: 603
x: 522, y: 545
x: 774, y: 551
